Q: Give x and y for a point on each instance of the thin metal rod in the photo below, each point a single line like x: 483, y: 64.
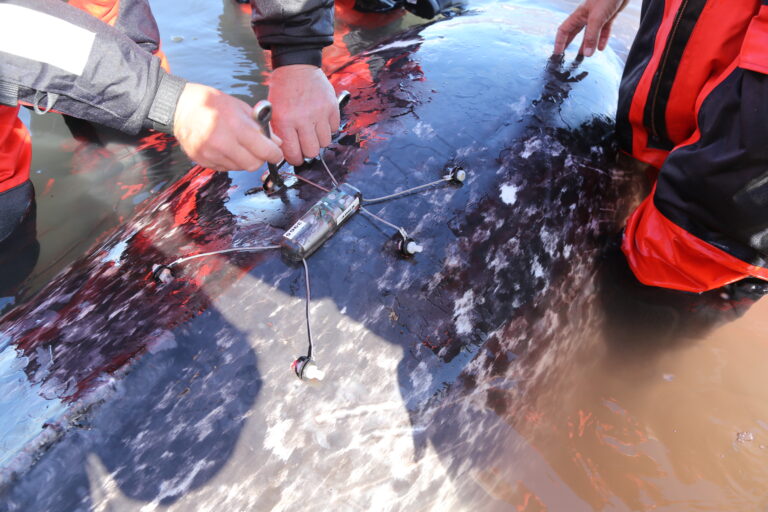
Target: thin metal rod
x: 368, y: 212
x: 305, y: 180
x: 309, y: 324
x: 224, y: 251
x: 333, y: 178
x: 404, y: 192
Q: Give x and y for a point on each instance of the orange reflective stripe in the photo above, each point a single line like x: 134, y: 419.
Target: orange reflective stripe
x: 105, y: 10
x: 108, y: 11
x: 163, y: 59
x: 15, y: 149
x: 661, y: 253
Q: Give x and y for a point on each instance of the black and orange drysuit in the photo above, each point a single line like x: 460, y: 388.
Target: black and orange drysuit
x: 694, y: 105
x: 98, y: 60
x: 94, y: 59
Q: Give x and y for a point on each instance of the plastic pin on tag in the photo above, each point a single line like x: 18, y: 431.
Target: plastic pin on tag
x: 162, y: 274
x: 456, y: 174
x: 408, y: 246
x: 413, y: 248
x: 307, y: 370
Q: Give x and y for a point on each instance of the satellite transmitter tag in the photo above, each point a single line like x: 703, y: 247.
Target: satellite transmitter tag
x: 320, y: 222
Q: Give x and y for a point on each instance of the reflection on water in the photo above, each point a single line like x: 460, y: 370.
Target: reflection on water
x: 592, y: 424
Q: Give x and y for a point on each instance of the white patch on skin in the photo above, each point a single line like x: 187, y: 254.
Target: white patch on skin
x: 550, y: 241
x: 481, y: 235
x: 555, y: 148
x: 530, y: 147
x: 116, y: 252
x: 423, y: 130
x: 164, y: 341
x: 519, y: 106
x: 178, y: 486
x: 466, y: 151
x: 462, y: 310
x: 499, y: 262
x: 453, y: 260
x: 86, y: 308
x: 536, y: 269
x: 205, y: 426
x: 509, y: 194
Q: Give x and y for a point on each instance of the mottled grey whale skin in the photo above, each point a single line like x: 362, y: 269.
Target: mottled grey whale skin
x: 182, y: 394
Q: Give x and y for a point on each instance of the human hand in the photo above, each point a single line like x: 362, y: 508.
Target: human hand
x: 217, y: 131
x: 598, y: 16
x: 305, y: 112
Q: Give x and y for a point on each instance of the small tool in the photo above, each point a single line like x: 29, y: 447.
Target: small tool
x: 262, y: 114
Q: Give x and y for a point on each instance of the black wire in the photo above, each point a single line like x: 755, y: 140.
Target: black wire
x: 309, y: 326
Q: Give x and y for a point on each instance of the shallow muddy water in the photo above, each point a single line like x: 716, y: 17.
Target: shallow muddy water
x: 598, y: 421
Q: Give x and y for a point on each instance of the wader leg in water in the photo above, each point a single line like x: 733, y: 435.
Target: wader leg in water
x: 696, y: 246
x: 19, y: 248
x: 692, y: 105
x: 641, y: 318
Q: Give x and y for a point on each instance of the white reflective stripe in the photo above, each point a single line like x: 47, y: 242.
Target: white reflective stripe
x: 44, y: 38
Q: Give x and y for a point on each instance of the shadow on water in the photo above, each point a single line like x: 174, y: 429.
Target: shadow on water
x: 475, y: 328
x: 197, y: 387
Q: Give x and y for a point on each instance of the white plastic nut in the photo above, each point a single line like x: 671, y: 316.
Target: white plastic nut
x: 162, y: 274
x: 460, y: 175
x: 413, y: 248
x: 312, y: 372
x: 165, y: 276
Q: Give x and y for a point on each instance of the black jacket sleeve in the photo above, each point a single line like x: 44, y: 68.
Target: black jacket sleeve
x: 294, y: 30
x: 63, y: 58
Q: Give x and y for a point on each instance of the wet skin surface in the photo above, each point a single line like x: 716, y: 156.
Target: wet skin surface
x: 439, y: 366
x: 535, y: 166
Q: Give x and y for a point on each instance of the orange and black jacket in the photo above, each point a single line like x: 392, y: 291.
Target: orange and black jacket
x: 694, y: 104
x: 89, y: 59
x: 61, y: 56
x: 96, y: 60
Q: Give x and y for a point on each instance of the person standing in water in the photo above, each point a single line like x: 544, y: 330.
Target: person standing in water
x: 693, y: 104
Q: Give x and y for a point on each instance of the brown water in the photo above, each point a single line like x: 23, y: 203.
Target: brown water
x: 671, y: 428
